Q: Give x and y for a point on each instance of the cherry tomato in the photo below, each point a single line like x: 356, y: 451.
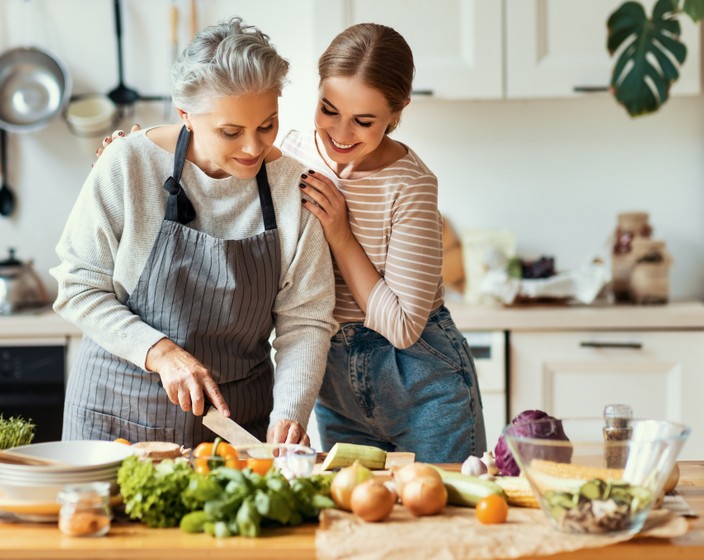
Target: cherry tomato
x: 260, y: 466
x: 492, y: 509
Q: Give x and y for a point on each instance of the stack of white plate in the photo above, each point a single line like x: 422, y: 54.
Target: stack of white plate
x: 82, y: 462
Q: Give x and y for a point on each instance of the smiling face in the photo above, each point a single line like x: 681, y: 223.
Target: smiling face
x: 235, y: 136
x: 351, y: 121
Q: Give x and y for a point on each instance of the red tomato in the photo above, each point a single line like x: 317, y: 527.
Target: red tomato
x: 492, y: 509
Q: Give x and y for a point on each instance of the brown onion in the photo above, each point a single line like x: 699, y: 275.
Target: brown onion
x: 424, y: 496
x: 372, y: 500
x: 345, y: 481
x: 410, y: 472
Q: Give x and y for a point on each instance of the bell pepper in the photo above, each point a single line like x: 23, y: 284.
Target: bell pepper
x: 218, y: 453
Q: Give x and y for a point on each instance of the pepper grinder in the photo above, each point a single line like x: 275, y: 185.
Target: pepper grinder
x: 617, y: 428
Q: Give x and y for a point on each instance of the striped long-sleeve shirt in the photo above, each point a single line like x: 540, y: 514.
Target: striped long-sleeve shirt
x: 394, y: 215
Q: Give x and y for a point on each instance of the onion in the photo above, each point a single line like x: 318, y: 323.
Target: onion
x: 345, y: 481
x: 424, y: 496
x: 372, y: 500
x: 404, y: 475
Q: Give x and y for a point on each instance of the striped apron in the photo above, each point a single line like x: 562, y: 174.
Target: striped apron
x: 212, y: 297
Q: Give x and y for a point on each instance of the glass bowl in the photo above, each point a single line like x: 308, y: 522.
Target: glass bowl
x: 589, y: 483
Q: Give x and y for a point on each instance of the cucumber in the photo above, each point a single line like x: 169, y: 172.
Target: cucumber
x: 344, y: 454
x: 463, y: 490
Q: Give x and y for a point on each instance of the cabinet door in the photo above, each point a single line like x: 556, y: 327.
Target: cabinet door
x: 577, y: 374
x: 555, y: 46
x: 457, y: 44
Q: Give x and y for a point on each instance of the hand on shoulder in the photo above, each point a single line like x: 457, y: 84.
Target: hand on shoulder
x: 114, y: 136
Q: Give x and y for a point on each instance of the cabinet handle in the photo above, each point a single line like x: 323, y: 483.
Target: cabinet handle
x: 633, y: 345
x: 590, y: 89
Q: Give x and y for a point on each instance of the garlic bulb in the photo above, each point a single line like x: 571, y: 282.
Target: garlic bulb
x: 490, y: 463
x: 473, y: 466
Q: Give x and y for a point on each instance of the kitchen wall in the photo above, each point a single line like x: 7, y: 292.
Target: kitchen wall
x: 555, y: 171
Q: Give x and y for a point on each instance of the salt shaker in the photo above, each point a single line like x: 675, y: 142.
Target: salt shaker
x: 85, y: 509
x: 617, y: 428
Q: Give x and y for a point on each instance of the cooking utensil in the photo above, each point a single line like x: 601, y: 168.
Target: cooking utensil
x: 15, y: 458
x: 34, y: 87
x: 228, y: 429
x: 194, y: 19
x: 7, y: 197
x: 20, y: 285
x: 121, y: 95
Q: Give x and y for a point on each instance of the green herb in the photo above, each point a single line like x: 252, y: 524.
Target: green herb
x: 152, y: 492
x: 15, y: 431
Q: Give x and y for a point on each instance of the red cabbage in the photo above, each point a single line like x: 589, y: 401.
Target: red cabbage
x: 550, y: 428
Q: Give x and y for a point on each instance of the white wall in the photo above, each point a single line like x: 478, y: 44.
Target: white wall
x: 555, y: 172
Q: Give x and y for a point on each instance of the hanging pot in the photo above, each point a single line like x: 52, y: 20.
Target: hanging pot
x: 34, y: 87
x: 20, y: 286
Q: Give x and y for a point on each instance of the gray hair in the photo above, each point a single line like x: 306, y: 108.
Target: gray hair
x: 230, y: 58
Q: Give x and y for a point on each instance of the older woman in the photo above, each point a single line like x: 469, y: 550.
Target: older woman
x: 186, y: 246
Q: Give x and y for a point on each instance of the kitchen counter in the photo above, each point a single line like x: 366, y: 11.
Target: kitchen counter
x: 36, y: 323
x: 135, y: 541
x: 678, y: 315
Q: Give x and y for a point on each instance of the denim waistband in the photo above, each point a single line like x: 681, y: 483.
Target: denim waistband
x: 355, y: 333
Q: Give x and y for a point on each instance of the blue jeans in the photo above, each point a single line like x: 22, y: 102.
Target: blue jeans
x: 423, y: 399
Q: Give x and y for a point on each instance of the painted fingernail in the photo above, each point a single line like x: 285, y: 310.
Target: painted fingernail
x: 302, y: 185
x: 304, y: 176
x: 311, y: 171
x: 106, y: 139
x: 303, y: 200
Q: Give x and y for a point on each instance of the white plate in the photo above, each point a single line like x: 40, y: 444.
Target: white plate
x: 77, y: 456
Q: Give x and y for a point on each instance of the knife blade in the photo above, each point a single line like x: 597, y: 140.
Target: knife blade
x: 228, y: 429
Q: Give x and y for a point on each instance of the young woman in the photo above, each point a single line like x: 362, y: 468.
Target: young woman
x: 399, y: 373
x: 186, y: 246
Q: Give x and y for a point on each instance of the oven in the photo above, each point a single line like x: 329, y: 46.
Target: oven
x: 32, y: 374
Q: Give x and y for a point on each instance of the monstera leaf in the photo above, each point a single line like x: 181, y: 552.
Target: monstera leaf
x: 652, y: 51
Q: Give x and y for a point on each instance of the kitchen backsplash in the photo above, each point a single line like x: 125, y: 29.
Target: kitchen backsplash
x: 554, y: 172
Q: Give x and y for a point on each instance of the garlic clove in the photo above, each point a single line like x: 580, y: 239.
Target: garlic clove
x: 490, y: 463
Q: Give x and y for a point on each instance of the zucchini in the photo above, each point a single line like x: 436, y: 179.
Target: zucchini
x: 463, y: 490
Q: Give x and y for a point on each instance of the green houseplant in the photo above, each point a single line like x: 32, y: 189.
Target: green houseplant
x: 650, y: 51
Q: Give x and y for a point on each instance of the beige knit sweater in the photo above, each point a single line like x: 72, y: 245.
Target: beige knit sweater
x: 112, y: 228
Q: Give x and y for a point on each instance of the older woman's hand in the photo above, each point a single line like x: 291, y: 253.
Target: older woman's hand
x: 287, y: 431
x: 184, y: 378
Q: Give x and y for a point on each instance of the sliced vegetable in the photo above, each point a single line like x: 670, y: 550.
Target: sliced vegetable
x: 344, y: 454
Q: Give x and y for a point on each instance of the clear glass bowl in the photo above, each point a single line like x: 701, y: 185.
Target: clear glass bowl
x: 589, y: 483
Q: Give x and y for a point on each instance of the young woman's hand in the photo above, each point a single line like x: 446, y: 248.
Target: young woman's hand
x: 330, y: 207
x: 116, y: 134
x: 287, y: 431
x: 184, y: 378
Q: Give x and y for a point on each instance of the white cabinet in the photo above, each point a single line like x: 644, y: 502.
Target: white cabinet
x: 491, y: 49
x: 572, y: 374
x: 457, y: 44
x: 557, y: 47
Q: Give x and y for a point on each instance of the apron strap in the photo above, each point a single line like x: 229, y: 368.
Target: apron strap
x: 178, y: 206
x: 265, y: 199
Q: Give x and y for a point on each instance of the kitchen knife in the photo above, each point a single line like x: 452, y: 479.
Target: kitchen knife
x: 228, y: 429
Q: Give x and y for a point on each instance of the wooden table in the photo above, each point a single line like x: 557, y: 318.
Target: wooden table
x: 133, y: 541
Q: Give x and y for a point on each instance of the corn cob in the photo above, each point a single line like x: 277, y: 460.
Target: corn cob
x: 344, y: 454
x: 518, y: 491
x: 579, y: 472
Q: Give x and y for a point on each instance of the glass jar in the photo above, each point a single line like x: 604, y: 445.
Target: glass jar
x: 617, y: 428
x: 85, y: 509
x: 631, y: 226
